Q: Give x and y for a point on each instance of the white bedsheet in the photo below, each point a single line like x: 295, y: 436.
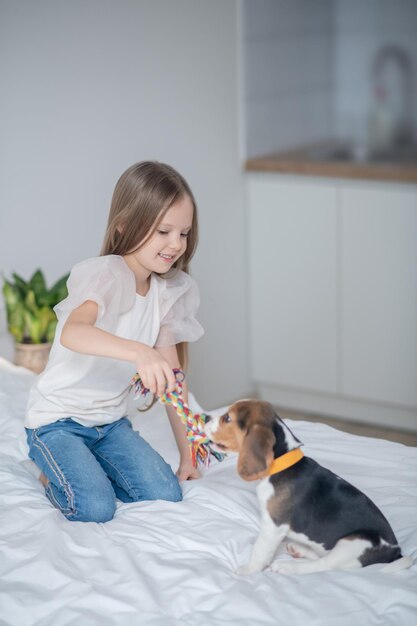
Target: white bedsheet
x: 164, y: 564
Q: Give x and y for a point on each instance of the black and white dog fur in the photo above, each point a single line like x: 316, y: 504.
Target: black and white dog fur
x: 322, y: 517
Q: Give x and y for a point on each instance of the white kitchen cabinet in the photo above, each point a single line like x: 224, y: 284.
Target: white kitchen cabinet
x: 293, y: 282
x: 379, y: 293
x: 333, y: 296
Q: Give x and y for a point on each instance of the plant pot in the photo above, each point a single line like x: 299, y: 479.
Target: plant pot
x: 33, y: 356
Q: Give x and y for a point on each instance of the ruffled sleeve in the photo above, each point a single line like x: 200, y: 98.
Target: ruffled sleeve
x: 179, y: 300
x: 106, y: 280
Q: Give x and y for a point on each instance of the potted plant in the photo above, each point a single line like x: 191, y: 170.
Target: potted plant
x: 30, y: 317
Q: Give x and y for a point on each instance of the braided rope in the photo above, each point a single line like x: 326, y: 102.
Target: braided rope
x: 200, y: 448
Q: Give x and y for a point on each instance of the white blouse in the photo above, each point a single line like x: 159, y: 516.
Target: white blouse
x: 93, y: 390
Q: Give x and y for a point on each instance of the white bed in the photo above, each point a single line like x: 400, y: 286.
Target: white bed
x: 164, y: 564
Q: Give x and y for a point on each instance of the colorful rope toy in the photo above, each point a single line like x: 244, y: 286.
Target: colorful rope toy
x: 198, y: 441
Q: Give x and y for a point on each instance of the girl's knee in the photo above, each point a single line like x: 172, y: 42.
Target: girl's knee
x: 172, y: 494
x: 96, y: 506
x: 98, y: 510
x: 85, y: 505
x: 168, y: 489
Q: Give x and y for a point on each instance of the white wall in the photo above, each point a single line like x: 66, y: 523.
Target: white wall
x: 92, y: 86
x: 289, y: 73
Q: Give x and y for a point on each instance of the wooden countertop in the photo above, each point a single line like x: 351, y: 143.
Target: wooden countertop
x: 304, y: 161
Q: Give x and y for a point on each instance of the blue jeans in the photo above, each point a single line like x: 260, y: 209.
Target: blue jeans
x: 88, y: 467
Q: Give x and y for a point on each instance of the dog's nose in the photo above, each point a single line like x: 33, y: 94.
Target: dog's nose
x: 207, y: 418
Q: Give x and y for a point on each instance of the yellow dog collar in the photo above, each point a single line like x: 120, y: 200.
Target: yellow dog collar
x: 285, y: 461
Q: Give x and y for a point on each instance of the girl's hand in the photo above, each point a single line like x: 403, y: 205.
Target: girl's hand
x: 154, y: 370
x: 187, y: 471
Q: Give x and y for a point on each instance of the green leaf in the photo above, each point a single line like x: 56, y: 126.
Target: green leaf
x: 32, y: 327
x: 12, y: 295
x: 46, y: 316
x: 22, y: 285
x: 58, y: 291
x: 17, y: 333
x: 16, y: 322
x: 50, y: 331
x: 30, y: 302
x: 38, y: 286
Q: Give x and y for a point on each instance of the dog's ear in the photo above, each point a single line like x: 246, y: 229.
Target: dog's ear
x: 256, y: 453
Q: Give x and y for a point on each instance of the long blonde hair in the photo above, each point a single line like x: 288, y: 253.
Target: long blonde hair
x: 141, y: 198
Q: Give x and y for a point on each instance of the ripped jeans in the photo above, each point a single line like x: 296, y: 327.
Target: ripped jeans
x: 88, y: 468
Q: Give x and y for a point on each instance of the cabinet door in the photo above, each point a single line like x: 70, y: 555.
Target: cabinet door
x: 379, y: 293
x: 292, y: 244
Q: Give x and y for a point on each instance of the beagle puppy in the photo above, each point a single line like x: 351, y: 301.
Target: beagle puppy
x: 325, y: 519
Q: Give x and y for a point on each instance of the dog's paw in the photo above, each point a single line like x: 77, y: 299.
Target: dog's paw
x: 294, y: 551
x: 281, y: 567
x: 247, y: 570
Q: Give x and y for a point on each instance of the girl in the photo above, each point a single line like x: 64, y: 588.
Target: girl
x: 125, y: 312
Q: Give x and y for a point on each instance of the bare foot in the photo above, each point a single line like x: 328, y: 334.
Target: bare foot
x: 44, y: 480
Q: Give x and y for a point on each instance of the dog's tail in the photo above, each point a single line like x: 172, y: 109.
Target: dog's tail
x: 395, y: 566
